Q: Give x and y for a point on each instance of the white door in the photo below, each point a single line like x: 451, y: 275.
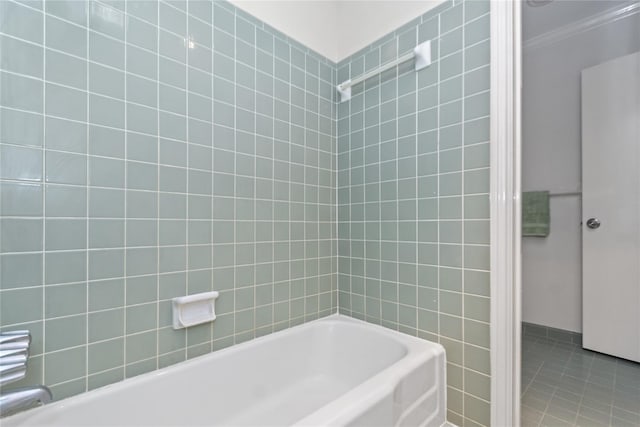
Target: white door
x: 611, y: 198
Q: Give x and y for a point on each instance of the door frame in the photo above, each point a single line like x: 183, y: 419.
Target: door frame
x: 505, y: 208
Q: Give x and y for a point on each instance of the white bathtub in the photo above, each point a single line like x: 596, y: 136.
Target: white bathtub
x: 335, y: 371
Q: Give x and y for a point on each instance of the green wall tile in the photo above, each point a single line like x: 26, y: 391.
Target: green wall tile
x: 476, y: 307
x: 140, y: 346
x: 172, y: 147
x: 451, y: 66
x: 144, y: 10
x: 477, y: 55
x: 65, y: 365
x: 61, y: 234
x: 65, y: 168
x: 65, y: 332
x: 21, y: 305
x: 104, y: 264
x: 106, y: 51
x: 141, y: 318
x: 451, y: 18
x: 21, y: 92
x: 139, y: 368
x: 106, y: 142
x: 477, y: 30
x: 451, y: 303
x: 476, y: 207
x: 20, y: 270
x: 106, y: 203
x: 476, y: 232
x: 106, y: 294
x: 20, y: 235
x: 451, y: 89
x: 477, y: 409
x: 105, y: 355
x: 452, y: 41
x: 478, y: 359
x: 454, y: 350
x: 450, y: 185
x: 21, y: 128
x: 454, y: 396
x: 66, y: 37
x: 105, y: 325
x: 476, y: 333
x: 20, y: 163
x: 477, y: 81
x: 26, y: 59
x: 474, y: 9
x: 65, y: 267
x: 66, y: 70
x: 476, y: 257
x: 65, y: 300
x: 105, y: 378
x: 142, y: 34
x: 171, y: 340
x: 477, y: 282
x: 104, y: 172
x: 65, y: 102
x: 476, y: 181
x: 476, y: 106
x: 26, y: 23
x: 103, y: 25
x: 455, y: 378
x: 106, y: 233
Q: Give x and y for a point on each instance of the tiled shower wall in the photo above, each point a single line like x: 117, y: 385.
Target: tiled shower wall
x: 150, y: 150
x: 413, y: 203
x: 155, y: 149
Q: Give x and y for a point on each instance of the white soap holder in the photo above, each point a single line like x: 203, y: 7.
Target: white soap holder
x: 194, y: 309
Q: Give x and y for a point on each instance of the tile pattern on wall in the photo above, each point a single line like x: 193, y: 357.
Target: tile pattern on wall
x: 150, y: 150
x: 413, y: 203
x: 566, y: 385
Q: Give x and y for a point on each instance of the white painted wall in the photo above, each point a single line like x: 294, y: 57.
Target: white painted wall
x: 336, y: 28
x: 312, y: 23
x: 362, y: 22
x: 552, y: 267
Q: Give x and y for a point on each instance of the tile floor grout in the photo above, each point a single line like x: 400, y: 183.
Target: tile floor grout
x: 565, y: 385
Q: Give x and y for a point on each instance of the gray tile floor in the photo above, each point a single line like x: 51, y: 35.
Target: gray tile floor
x: 565, y: 385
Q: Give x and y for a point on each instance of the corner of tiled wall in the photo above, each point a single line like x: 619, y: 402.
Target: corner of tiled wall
x: 150, y: 150
x: 413, y: 203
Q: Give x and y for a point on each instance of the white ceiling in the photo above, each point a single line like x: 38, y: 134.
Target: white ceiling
x: 336, y: 28
x: 542, y: 19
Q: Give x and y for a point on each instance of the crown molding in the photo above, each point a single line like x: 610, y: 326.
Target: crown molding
x: 594, y: 21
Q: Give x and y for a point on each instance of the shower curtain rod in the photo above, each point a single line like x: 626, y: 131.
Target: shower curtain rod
x: 421, y: 53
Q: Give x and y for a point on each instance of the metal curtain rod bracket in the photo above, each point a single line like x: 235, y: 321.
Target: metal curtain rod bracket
x: 421, y: 53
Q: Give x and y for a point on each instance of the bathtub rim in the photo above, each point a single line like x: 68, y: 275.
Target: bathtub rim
x: 378, y: 386
x: 412, y: 344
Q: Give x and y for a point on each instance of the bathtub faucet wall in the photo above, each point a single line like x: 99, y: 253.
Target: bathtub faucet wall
x: 14, y: 353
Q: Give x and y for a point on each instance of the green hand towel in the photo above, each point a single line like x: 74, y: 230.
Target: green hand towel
x: 535, y: 213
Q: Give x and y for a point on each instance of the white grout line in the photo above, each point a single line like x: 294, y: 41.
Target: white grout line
x: 187, y: 251
x: 125, y: 214
x: 158, y: 170
x: 44, y: 205
x: 462, y: 191
x: 87, y: 228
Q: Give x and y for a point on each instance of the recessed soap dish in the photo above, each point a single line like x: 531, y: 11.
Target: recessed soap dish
x: 194, y: 309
